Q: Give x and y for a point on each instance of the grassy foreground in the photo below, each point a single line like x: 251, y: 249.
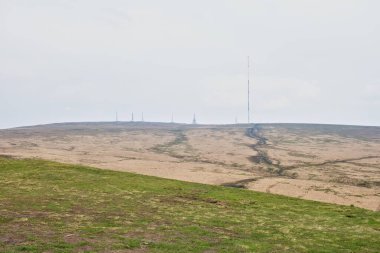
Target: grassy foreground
x: 52, y: 207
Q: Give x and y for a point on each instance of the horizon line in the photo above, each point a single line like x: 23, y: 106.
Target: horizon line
x: 190, y: 124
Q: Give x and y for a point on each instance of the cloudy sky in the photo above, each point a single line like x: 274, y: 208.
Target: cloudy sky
x: 83, y: 60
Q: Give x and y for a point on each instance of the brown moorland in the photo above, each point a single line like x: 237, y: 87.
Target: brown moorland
x: 327, y: 163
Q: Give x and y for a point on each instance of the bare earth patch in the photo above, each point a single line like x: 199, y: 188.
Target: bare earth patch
x: 335, y: 164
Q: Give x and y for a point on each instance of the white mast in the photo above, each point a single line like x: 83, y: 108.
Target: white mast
x: 194, y: 120
x: 248, y: 94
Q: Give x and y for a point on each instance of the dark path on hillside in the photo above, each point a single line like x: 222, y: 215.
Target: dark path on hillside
x: 262, y: 157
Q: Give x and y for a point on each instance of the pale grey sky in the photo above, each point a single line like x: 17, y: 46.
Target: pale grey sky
x: 83, y: 60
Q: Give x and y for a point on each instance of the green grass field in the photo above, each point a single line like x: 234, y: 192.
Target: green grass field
x: 52, y: 207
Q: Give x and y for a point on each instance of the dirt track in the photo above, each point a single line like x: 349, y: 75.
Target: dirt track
x: 336, y: 164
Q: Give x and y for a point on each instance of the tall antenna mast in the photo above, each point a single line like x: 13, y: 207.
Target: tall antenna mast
x: 248, y: 93
x: 132, y: 117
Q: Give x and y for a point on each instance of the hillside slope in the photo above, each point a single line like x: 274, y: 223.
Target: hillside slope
x: 52, y: 207
x: 328, y: 163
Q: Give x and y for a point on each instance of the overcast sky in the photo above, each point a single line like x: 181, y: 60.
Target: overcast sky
x: 83, y: 60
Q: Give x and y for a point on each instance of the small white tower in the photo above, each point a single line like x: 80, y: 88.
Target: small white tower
x: 194, y: 120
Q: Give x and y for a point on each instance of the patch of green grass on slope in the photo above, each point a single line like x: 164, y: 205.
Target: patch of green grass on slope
x: 52, y: 207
